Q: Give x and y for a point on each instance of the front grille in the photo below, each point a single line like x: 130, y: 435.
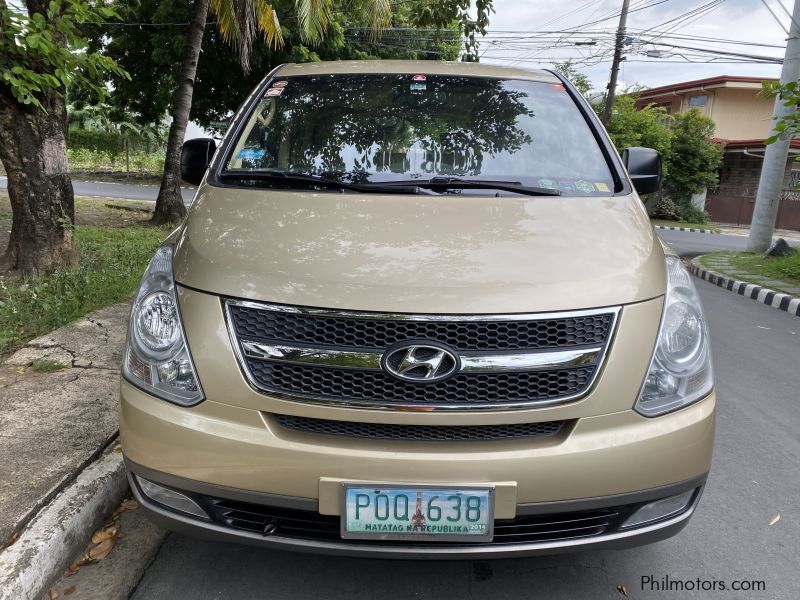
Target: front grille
x: 312, y: 526
x: 378, y: 387
x: 422, y: 433
x: 276, y: 326
x: 335, y: 357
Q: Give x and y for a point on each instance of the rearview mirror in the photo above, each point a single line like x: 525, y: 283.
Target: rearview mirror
x: 196, y: 155
x: 644, y: 168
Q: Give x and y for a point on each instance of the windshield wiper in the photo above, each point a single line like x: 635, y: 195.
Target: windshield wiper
x: 455, y: 183
x: 307, y: 180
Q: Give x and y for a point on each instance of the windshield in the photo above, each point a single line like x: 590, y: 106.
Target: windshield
x: 401, y: 127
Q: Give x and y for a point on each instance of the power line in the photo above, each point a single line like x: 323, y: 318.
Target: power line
x: 774, y: 16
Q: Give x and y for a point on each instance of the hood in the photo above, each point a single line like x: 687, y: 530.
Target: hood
x: 420, y: 253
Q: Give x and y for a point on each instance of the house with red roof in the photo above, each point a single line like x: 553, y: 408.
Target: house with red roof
x: 743, y: 120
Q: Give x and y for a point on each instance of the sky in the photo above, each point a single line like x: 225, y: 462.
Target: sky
x: 511, y: 41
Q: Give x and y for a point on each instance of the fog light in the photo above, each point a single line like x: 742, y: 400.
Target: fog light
x: 171, y: 498
x: 660, y: 509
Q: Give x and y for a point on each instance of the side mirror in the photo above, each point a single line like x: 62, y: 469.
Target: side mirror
x: 196, y: 155
x: 644, y: 168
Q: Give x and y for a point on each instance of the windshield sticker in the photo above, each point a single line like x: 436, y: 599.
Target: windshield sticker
x: 251, y: 153
x: 419, y: 78
x: 601, y: 187
x: 567, y: 186
x: 418, y: 86
x: 584, y: 186
x: 274, y: 91
x: 548, y: 184
x: 280, y: 84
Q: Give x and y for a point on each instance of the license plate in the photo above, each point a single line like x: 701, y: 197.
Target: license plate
x: 430, y: 514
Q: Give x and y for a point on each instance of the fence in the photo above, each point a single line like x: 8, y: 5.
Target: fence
x: 738, y: 210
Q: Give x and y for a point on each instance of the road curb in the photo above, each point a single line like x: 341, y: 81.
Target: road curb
x: 692, y: 229
x: 779, y: 300
x: 62, y: 529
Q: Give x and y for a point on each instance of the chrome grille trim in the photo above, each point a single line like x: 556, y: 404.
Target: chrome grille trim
x: 327, y: 312
x: 484, y: 363
x: 473, y: 361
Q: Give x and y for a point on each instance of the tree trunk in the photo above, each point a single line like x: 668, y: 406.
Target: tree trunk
x: 33, y: 150
x: 169, y: 204
x: 773, y: 167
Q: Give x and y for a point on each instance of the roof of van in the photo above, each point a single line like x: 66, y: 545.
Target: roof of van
x: 415, y: 67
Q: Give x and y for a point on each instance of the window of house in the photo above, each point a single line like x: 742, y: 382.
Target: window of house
x: 698, y: 101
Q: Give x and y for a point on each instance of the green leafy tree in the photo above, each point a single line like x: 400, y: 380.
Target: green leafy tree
x: 150, y: 54
x: 646, y: 127
x: 42, y: 53
x: 243, y: 22
x: 578, y: 79
x: 694, y: 159
x: 787, y: 127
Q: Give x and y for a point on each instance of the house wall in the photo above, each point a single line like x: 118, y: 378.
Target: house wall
x: 739, y: 174
x: 741, y: 114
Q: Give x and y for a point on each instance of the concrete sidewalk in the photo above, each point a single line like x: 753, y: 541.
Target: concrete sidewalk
x: 53, y: 424
x: 744, y: 230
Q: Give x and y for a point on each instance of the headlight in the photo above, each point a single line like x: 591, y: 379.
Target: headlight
x: 157, y: 358
x: 680, y: 372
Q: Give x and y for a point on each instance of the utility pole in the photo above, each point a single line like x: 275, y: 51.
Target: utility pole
x: 619, y: 44
x: 773, y: 168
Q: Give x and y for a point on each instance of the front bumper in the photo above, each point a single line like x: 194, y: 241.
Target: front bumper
x: 222, y: 452
x: 294, y: 523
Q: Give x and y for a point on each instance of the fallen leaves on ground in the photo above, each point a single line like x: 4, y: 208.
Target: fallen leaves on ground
x: 53, y: 593
x: 126, y: 505
x: 69, y: 590
x: 775, y: 519
x: 101, y: 550
x: 103, y: 539
x: 101, y: 535
x: 96, y: 553
x: 11, y: 539
x: 622, y: 590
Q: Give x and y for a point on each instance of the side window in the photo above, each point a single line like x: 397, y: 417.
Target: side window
x: 254, y: 144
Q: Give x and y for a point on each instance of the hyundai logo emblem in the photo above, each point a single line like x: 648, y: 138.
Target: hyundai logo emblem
x: 420, y: 361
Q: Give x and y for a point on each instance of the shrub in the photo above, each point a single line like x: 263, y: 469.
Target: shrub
x: 694, y: 158
x: 691, y: 214
x: 665, y: 209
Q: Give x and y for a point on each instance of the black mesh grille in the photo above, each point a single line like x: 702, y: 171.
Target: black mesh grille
x: 307, y: 525
x: 377, y: 387
x: 484, y: 389
x: 426, y: 433
x: 254, y: 323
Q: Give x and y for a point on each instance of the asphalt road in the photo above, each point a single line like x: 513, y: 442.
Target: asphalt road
x: 121, y: 191
x: 755, y: 476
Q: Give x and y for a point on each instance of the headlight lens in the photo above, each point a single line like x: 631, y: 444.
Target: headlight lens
x: 680, y: 372
x: 157, y: 325
x: 157, y: 358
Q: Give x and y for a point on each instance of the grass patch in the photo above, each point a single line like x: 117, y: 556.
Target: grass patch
x: 139, y: 162
x: 113, y: 259
x: 666, y: 223
x: 785, y: 268
x: 47, y: 366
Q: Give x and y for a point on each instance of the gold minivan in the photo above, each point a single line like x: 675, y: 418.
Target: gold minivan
x: 417, y: 310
